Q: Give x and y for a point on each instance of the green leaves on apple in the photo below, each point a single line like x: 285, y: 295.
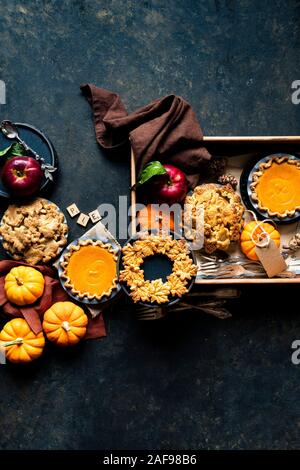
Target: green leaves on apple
x: 14, y: 150
x: 151, y: 169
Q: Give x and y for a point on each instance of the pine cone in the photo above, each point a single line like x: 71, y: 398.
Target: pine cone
x: 217, y: 166
x: 294, y: 243
x: 228, y: 179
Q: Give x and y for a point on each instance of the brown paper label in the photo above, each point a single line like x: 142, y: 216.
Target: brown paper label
x: 271, y: 259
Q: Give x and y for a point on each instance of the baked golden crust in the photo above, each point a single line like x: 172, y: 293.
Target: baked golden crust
x: 34, y: 232
x: 222, y: 216
x: 157, y: 291
x: 68, y: 281
x: 282, y: 185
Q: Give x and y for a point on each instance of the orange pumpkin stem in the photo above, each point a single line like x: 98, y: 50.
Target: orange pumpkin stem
x: 261, y: 236
x: 66, y: 326
x: 19, y: 281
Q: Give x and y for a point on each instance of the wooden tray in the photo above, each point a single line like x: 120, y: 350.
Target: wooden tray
x: 240, y: 151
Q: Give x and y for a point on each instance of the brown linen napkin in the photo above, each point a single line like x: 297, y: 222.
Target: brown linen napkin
x: 166, y: 129
x: 53, y: 292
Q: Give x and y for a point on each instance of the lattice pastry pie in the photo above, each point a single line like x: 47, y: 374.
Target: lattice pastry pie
x: 33, y: 232
x: 157, y: 291
x: 222, y: 216
x: 90, y: 269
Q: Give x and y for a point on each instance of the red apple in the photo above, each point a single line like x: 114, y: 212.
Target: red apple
x: 22, y: 176
x: 170, y: 187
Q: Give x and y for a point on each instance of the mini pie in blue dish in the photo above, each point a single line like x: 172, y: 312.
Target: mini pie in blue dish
x: 88, y: 270
x: 273, y: 187
x: 34, y: 232
x: 160, y: 288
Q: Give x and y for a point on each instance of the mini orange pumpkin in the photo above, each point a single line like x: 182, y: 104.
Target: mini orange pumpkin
x: 65, y: 323
x: 155, y: 217
x: 24, y: 285
x: 255, y: 229
x: 20, y: 342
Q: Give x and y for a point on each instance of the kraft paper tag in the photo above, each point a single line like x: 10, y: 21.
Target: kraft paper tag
x: 271, y: 259
x: 2, y: 354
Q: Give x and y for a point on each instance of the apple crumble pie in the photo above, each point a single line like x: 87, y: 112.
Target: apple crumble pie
x: 222, y: 215
x: 34, y: 232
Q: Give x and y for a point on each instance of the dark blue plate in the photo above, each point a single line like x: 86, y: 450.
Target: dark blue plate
x: 38, y: 141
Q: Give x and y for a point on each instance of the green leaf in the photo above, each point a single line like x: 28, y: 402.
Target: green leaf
x: 151, y: 169
x: 17, y: 150
x: 14, y: 150
x: 4, y: 152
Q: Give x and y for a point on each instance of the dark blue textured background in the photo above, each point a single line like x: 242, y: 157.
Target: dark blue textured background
x: 193, y: 382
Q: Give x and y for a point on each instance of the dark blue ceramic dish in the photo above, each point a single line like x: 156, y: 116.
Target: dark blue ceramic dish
x: 245, y: 182
x: 156, y: 267
x: 105, y: 300
x: 39, y: 142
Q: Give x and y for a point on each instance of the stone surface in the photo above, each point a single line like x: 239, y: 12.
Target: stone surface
x: 190, y: 381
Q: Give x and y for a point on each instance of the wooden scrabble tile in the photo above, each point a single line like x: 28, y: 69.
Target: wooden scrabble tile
x: 83, y: 219
x: 73, y: 210
x: 95, y: 216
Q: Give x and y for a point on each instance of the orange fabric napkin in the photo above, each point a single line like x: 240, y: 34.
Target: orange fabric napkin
x: 53, y: 292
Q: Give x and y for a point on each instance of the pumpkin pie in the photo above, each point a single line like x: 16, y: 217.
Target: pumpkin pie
x: 156, y: 217
x: 275, y: 186
x: 90, y: 269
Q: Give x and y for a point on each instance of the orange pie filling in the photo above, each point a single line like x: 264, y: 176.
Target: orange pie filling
x: 92, y: 270
x: 278, y: 189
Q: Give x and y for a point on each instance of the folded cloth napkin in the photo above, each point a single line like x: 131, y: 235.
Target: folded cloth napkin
x: 53, y: 292
x: 166, y: 129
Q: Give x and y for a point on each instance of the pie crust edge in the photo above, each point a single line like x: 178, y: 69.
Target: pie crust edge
x: 222, y: 195
x: 255, y: 180
x: 24, y: 211
x: 65, y: 262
